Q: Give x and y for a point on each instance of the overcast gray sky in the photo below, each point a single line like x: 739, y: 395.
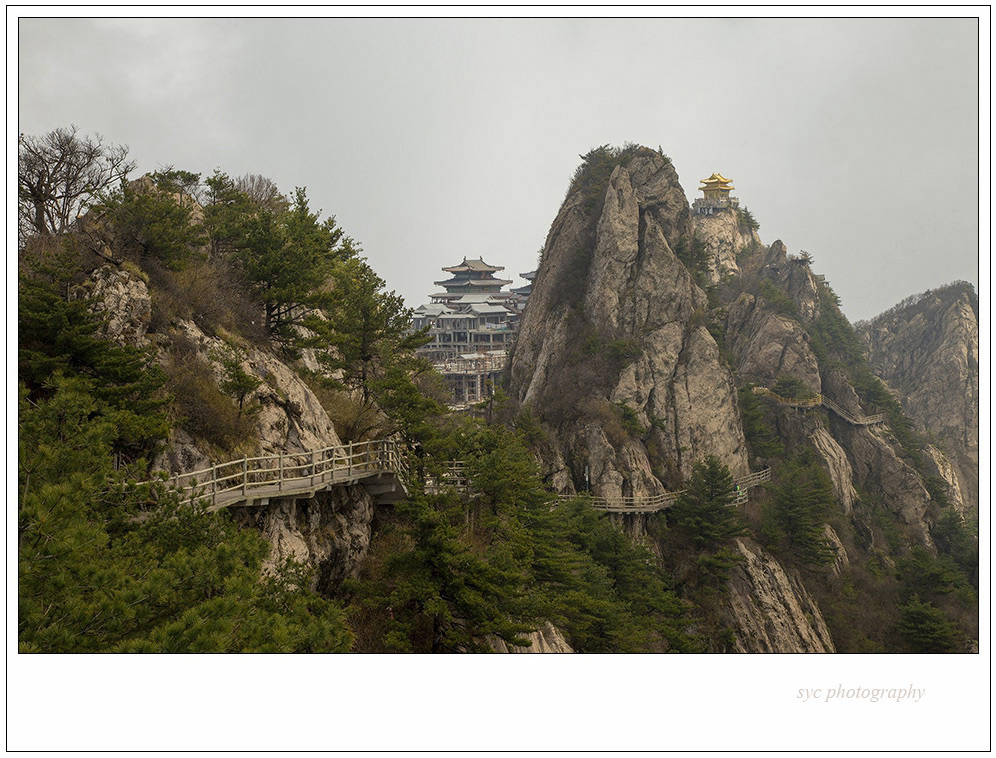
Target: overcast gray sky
x: 430, y: 140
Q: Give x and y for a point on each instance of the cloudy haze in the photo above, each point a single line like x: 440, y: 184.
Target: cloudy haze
x: 430, y: 140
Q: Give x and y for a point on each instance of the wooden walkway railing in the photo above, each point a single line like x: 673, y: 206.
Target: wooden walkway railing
x: 812, y: 402
x: 654, y: 503
x: 455, y: 476
x: 376, y: 464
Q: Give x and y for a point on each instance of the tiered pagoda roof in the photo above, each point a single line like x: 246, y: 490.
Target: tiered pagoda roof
x: 528, y: 288
x: 476, y: 264
x: 715, y: 184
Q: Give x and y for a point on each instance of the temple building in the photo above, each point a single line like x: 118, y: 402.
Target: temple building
x: 472, y: 321
x: 472, y: 316
x: 521, y: 294
x: 716, y: 196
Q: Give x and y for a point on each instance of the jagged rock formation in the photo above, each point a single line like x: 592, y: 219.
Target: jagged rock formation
x: 330, y: 531
x: 547, y: 639
x: 927, y: 349
x: 770, y: 608
x: 769, y: 345
x: 615, y: 334
x: 123, y: 299
x: 724, y: 236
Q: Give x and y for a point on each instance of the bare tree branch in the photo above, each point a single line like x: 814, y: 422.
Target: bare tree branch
x: 60, y: 174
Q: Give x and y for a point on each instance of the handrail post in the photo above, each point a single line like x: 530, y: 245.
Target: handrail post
x: 280, y: 475
x: 245, y: 474
x: 312, y: 466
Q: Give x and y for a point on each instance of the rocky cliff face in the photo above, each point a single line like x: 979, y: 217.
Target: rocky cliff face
x: 613, y: 351
x: 330, y: 532
x: 927, y: 349
x: 770, y: 609
x: 724, y: 237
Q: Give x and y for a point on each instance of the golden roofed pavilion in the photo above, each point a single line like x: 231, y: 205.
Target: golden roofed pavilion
x: 716, y: 185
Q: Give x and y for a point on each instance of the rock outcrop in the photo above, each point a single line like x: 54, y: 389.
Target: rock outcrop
x: 770, y: 608
x: 546, y: 639
x: 330, y: 531
x: 123, y: 299
x: 724, y: 236
x: 613, y: 352
x: 927, y: 349
x: 768, y: 345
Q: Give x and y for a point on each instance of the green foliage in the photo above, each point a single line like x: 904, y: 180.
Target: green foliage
x: 177, y: 181
x: 442, y: 596
x: 746, y: 219
x: 922, y: 628
x: 835, y: 342
x: 704, y: 509
x: 288, y: 257
x: 777, y: 299
x: 60, y: 338
x: 504, y: 558
x: 762, y: 439
x: 793, y: 520
x: 227, y: 213
x: 792, y: 388
x: 94, y: 577
x: 608, y: 594
x: 630, y: 421
x: 591, y: 178
x: 237, y: 382
x: 928, y: 576
x: 956, y: 539
x: 364, y: 338
x: 694, y: 254
x: 366, y: 326
x: 717, y: 328
x: 200, y: 405
x: 148, y: 222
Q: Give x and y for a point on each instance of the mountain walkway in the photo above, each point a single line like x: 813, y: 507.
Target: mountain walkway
x: 812, y: 402
x: 455, y: 476
x: 377, y: 465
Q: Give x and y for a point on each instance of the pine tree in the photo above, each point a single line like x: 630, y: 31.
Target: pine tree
x: 794, y: 519
x: 703, y: 510
x: 441, y: 595
x: 147, y: 220
x: 366, y: 327
x: 100, y: 572
x: 60, y: 338
x: 288, y: 257
x: 922, y: 628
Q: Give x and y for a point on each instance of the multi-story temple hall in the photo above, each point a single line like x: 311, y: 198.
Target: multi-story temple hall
x: 472, y: 323
x: 716, y: 196
x: 472, y: 315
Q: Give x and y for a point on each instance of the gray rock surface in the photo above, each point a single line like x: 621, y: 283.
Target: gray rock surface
x: 547, y: 639
x: 123, y: 298
x: 927, y: 349
x: 770, y: 608
x: 838, y: 466
x: 769, y: 345
x: 724, y: 237
x: 330, y: 531
x: 614, y: 283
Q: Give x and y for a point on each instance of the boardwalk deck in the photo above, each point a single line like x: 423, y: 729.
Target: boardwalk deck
x: 812, y: 402
x: 377, y: 465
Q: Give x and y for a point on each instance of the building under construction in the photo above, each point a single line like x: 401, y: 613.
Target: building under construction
x: 472, y: 323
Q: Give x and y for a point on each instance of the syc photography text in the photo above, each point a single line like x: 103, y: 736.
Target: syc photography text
x: 840, y: 693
